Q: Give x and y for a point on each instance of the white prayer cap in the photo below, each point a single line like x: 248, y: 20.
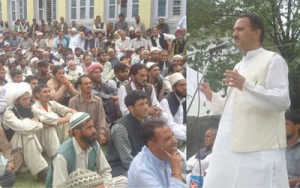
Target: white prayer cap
x: 16, y: 90
x: 144, y: 51
x: 74, y: 29
x: 6, y: 43
x: 150, y: 64
x: 131, y: 28
x: 174, y: 78
x: 78, y: 118
x: 179, y: 56
x: 82, y: 178
x: 33, y: 60
x: 155, y: 49
x: 39, y: 34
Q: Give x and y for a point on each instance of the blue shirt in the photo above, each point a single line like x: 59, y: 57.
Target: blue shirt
x: 146, y: 170
x: 292, y: 155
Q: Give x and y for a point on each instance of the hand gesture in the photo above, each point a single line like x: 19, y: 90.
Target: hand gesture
x: 175, y: 160
x: 234, y: 79
x: 206, y: 90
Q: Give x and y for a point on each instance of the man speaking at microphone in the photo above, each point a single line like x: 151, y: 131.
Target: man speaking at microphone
x: 249, y: 147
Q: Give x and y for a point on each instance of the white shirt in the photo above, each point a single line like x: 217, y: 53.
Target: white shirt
x: 122, y: 44
x: 60, y: 173
x: 136, y: 43
x: 122, y: 94
x: 176, y: 122
x: 166, y: 37
x: 240, y: 169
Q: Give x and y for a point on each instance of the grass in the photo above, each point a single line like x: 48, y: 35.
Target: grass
x: 27, y: 180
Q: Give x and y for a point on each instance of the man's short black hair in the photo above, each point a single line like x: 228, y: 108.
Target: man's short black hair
x: 120, y: 67
x: 148, y: 129
x: 79, y: 80
x: 56, y: 68
x: 136, y: 67
x: 15, y: 73
x: 256, y: 23
x: 292, y: 116
x: 43, y: 63
x: 132, y: 97
x: 29, y: 78
x: 39, y: 88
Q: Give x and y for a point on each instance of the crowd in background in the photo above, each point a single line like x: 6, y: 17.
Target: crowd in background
x: 64, y: 63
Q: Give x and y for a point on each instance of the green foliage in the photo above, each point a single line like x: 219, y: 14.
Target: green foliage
x: 211, y: 22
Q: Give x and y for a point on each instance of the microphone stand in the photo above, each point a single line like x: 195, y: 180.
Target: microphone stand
x: 210, y: 58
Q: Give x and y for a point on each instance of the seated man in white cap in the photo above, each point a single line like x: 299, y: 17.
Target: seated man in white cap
x: 82, y: 178
x: 39, y: 41
x: 138, y: 41
x: 81, y: 151
x: 174, y: 104
x: 21, y: 126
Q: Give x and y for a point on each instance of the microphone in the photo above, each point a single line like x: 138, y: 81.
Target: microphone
x: 225, y: 45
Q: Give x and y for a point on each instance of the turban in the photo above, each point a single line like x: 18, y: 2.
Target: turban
x: 176, y: 77
x: 78, y: 118
x: 92, y: 67
x: 16, y: 90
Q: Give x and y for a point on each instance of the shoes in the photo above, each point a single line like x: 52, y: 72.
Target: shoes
x: 42, y: 175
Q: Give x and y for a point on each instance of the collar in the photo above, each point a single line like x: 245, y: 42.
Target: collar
x: 81, y: 99
x: 252, y: 53
x: 78, y: 149
x: 180, y: 100
x: 134, y: 88
x: 154, y: 159
x: 131, y: 116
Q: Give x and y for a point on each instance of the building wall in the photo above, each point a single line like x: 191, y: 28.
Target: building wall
x: 61, y: 10
x: 30, y: 10
x: 147, y: 12
x: 4, y: 10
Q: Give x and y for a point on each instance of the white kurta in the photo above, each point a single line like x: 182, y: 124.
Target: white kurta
x: 253, y: 169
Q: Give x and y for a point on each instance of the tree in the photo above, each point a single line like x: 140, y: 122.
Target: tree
x: 212, y: 21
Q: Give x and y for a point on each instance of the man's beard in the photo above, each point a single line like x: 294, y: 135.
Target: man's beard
x: 24, y: 112
x: 89, y: 140
x: 142, y: 83
x: 180, y: 94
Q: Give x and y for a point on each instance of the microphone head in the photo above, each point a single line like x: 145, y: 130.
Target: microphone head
x: 227, y: 44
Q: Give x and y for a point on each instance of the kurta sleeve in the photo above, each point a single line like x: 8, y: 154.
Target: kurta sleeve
x: 122, y: 143
x: 22, y: 126
x: 275, y: 95
x: 60, y: 173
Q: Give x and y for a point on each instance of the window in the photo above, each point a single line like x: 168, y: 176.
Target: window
x: 130, y: 8
x: 135, y: 8
x: 176, y: 8
x: 112, y: 9
x: 18, y: 9
x: 162, y: 8
x: 47, y: 9
x: 82, y: 9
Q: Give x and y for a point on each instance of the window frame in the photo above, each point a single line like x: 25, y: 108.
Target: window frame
x: 78, y: 8
x: 117, y: 9
x: 18, y: 10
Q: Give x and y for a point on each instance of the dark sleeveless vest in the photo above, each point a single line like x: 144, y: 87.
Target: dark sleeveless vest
x: 133, y: 128
x: 162, y: 42
x: 174, y: 105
